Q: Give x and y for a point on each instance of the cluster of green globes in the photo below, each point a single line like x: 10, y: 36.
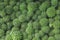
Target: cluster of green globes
x: 29, y: 19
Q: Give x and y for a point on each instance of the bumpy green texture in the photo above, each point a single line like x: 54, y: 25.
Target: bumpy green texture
x: 51, y: 12
x: 29, y: 19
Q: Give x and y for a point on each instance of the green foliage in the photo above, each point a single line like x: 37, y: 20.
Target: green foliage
x: 22, y: 6
x: 38, y: 12
x: 43, y: 14
x: 22, y: 18
x: 13, y: 16
x: 54, y: 2
x: 18, y: 13
x: 15, y: 29
x: 29, y: 19
x: 27, y: 1
x: 23, y: 26
x: 37, y: 35
x: 2, y: 5
x: 36, y: 38
x: 29, y: 29
x: 57, y: 17
x: 15, y: 8
x: 56, y: 24
x: 8, y: 9
x: 51, y: 38
x: 9, y: 25
x: 32, y: 6
x: 51, y: 20
x: 57, y: 36
x: 16, y: 35
x: 6, y: 18
x: 16, y: 22
x: 41, y: 33
x: 56, y: 31
x: 12, y: 3
x: 2, y: 13
x: 58, y: 12
x: 36, y: 25
x: 8, y: 37
x: 51, y: 12
x: 43, y: 22
x: 29, y: 15
x: 8, y: 32
x: 4, y: 27
x: 30, y: 37
x: 45, y: 29
x: 44, y: 6
x: 1, y: 32
x: 2, y: 38
x: 1, y: 21
x: 45, y: 37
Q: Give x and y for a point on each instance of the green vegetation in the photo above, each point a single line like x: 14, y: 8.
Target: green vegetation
x: 29, y: 19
